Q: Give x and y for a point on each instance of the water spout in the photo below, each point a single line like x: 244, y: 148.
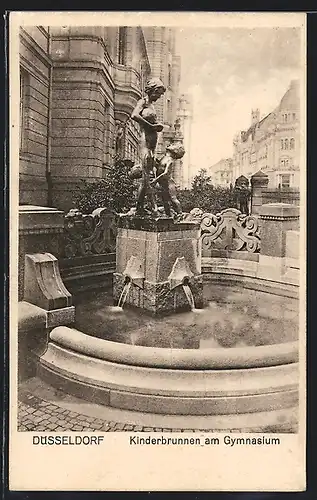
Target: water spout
x: 189, y: 296
x: 124, y: 293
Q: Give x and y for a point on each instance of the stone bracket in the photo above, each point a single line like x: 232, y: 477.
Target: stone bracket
x: 134, y: 271
x: 43, y: 285
x: 179, y: 273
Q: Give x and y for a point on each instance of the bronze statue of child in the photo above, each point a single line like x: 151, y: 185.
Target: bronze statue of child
x: 174, y: 151
x: 164, y: 178
x: 145, y: 115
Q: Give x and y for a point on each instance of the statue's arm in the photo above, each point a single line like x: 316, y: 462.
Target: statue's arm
x: 166, y: 171
x: 136, y: 114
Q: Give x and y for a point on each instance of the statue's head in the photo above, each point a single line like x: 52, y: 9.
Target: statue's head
x: 154, y: 88
x: 176, y: 150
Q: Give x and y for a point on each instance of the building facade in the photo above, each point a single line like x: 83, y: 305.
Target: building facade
x: 35, y: 106
x: 78, y: 87
x: 272, y: 144
x: 221, y: 173
x: 185, y: 117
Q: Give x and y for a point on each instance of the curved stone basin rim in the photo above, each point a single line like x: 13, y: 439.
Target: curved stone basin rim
x: 209, y: 358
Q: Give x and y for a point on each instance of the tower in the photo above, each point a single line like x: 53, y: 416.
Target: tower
x: 185, y: 116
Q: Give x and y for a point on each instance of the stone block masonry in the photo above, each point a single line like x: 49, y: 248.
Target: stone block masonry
x: 147, y: 251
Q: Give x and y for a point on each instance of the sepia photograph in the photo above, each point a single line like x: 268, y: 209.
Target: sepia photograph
x: 157, y: 235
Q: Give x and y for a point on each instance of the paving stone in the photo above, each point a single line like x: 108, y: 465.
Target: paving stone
x: 95, y: 426
x: 82, y: 417
x: 53, y: 419
x: 119, y: 426
x: 52, y: 426
x: 78, y: 428
x: 128, y: 427
x: 72, y: 414
x: 137, y: 428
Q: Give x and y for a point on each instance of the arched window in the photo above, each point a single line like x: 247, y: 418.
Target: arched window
x: 282, y: 143
x: 292, y: 143
x: 286, y: 144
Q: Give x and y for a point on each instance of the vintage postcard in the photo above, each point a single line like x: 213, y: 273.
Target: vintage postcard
x: 157, y: 251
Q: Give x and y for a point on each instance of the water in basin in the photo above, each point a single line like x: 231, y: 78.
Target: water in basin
x: 232, y: 317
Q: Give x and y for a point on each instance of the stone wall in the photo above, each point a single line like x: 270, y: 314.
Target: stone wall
x: 82, y: 110
x: 34, y: 114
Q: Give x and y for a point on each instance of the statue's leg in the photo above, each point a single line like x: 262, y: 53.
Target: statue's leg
x: 166, y: 204
x: 174, y: 200
x: 149, y: 164
x: 141, y: 197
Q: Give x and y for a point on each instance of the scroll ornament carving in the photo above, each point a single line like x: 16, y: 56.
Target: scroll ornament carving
x: 89, y: 234
x: 230, y: 230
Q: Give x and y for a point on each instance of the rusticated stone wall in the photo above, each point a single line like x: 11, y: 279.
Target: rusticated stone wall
x: 82, y: 110
x: 34, y: 104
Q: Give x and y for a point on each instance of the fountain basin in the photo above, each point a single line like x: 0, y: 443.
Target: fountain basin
x: 238, y: 379
x: 222, y: 390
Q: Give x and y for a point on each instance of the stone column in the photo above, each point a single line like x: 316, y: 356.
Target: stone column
x: 259, y: 182
x: 277, y: 219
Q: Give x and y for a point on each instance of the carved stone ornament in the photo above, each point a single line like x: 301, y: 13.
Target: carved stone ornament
x: 90, y: 234
x: 230, y: 230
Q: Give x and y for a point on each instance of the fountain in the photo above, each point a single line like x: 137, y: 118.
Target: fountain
x: 150, y: 244
x: 236, y: 365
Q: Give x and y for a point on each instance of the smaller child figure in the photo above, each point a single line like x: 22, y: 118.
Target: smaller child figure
x: 164, y: 178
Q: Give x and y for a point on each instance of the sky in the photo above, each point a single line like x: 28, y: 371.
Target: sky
x: 229, y: 71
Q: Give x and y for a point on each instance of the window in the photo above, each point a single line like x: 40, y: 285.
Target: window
x: 284, y: 163
x: 169, y: 111
x: 282, y: 144
x: 294, y: 116
x: 285, y: 181
x: 122, y: 49
x: 286, y: 144
x: 23, y: 108
x: 292, y: 143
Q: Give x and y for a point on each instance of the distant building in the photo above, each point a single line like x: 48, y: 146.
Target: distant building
x: 221, y: 173
x: 272, y: 144
x: 185, y: 116
x: 78, y: 87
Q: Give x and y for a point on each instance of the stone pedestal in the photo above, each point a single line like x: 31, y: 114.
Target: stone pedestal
x: 157, y: 257
x: 259, y: 183
x: 40, y: 230
x: 277, y: 220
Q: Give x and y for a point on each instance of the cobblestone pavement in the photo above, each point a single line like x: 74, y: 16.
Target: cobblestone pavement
x: 36, y: 414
